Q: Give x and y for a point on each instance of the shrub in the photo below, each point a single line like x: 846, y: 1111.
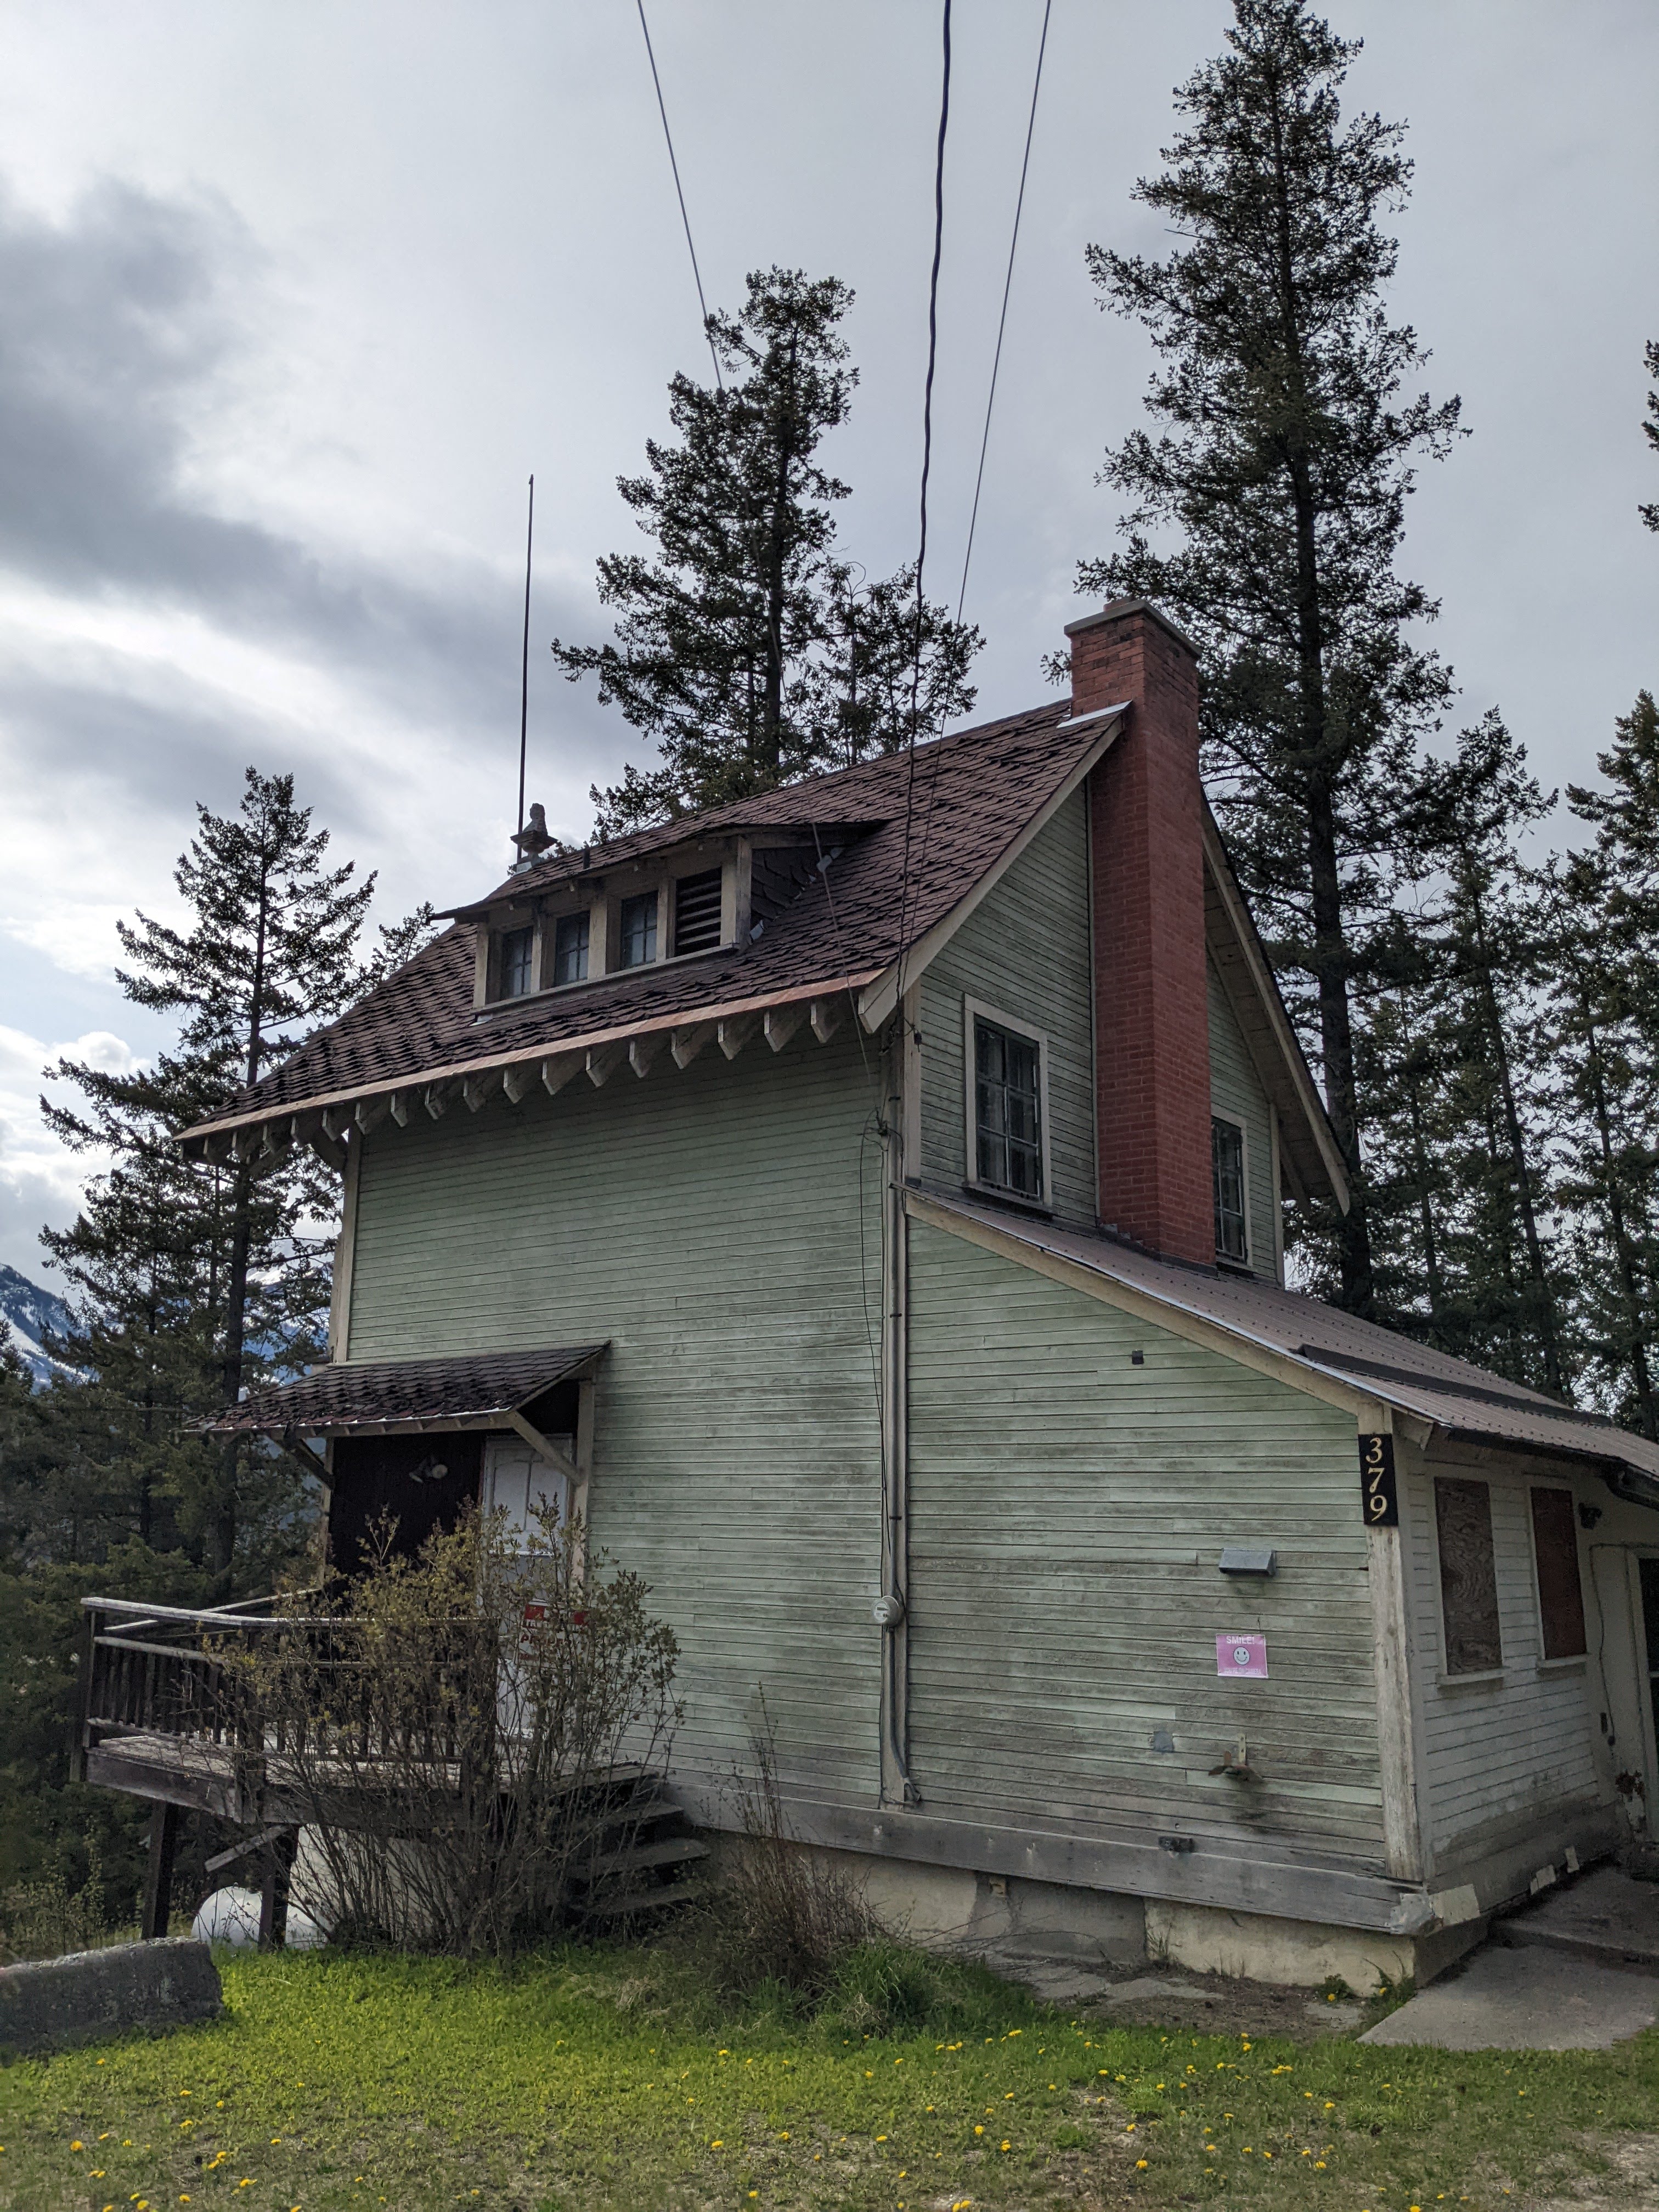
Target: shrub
x: 452, y: 1738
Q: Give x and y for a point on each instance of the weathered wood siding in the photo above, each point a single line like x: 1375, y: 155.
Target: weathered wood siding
x: 1236, y: 1092
x: 1068, y: 1510
x: 1023, y: 951
x: 707, y: 1224
x: 1497, y: 1755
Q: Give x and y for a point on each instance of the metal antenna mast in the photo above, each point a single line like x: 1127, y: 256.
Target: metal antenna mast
x: 523, y: 673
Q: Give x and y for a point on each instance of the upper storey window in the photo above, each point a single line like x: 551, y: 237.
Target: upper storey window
x: 518, y: 961
x: 1007, y: 1111
x: 1232, y: 1230
x: 570, y: 942
x: 637, y: 931
x: 697, y: 912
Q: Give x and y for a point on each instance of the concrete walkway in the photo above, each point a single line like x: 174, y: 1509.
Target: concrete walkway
x: 1525, y: 1999
x: 1577, y: 1971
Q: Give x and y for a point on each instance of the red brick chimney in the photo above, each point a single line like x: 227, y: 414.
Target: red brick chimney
x: 1152, y: 1018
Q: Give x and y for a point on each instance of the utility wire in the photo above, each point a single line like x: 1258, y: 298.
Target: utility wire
x: 680, y: 194
x: 927, y: 464
x: 1007, y: 286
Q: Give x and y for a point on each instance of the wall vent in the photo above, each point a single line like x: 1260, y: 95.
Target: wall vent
x: 697, y: 912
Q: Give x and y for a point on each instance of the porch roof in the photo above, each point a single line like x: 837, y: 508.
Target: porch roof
x: 405, y: 1397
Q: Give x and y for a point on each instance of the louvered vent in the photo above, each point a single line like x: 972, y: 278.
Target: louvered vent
x: 697, y: 912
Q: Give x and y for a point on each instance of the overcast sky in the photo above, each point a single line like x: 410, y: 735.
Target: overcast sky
x: 293, y: 299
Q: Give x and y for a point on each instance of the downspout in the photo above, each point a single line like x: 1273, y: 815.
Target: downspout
x: 901, y: 1144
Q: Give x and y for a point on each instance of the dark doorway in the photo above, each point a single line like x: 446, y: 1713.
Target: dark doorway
x: 422, y: 1483
x: 1649, y: 1573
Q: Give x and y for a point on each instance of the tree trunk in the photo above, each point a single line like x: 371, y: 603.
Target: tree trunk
x: 1329, y: 953
x: 1520, y: 1174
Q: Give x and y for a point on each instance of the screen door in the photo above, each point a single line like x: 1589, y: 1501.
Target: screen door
x: 519, y: 1482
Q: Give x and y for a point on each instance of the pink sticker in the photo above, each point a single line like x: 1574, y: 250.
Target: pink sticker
x: 1241, y: 1655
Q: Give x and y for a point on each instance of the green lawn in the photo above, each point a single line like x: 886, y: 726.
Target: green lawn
x: 610, y: 2079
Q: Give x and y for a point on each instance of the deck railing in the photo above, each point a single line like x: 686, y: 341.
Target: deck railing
x: 242, y: 1679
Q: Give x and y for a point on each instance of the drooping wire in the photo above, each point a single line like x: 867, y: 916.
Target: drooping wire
x: 927, y: 464
x: 1007, y: 287
x: 668, y: 135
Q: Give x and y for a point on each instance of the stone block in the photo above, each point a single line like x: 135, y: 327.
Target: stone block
x: 52, y: 2004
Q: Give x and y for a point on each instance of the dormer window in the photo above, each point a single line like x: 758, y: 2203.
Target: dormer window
x: 570, y: 941
x: 518, y: 961
x: 697, y: 912
x: 636, y: 932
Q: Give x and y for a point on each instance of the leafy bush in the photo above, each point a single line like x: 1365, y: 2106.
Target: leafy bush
x: 452, y: 1736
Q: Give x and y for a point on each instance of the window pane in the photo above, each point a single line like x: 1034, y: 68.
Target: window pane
x: 570, y: 948
x: 1007, y: 1111
x: 517, y: 945
x: 1468, y: 1576
x: 1560, y: 1594
x: 1232, y: 1240
x: 639, y: 930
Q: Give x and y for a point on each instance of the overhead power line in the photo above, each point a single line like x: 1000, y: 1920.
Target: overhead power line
x: 668, y: 135
x: 1007, y: 287
x: 926, y: 465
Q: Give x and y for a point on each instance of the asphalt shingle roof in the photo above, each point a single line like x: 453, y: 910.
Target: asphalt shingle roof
x: 367, y: 1395
x: 919, y: 831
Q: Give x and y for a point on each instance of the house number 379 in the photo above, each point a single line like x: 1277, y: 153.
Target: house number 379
x: 1381, y: 1497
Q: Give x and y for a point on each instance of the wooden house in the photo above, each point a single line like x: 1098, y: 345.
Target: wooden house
x: 864, y: 1203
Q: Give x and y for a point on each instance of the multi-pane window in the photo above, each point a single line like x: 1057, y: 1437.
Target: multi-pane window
x: 1560, y: 1592
x: 1468, y: 1576
x: 697, y: 912
x: 1232, y: 1233
x: 517, y: 960
x: 1008, y: 1110
x: 570, y: 948
x: 637, y: 931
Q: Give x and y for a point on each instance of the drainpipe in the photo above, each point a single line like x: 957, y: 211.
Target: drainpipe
x: 902, y: 1117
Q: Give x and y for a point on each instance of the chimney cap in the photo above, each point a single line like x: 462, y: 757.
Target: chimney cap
x: 1119, y: 609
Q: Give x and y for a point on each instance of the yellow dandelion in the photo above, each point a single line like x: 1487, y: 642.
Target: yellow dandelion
x: 77, y: 2145
x: 1006, y: 2145
x: 1140, y: 2166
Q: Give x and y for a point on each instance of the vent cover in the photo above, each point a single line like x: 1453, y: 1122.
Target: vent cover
x: 697, y: 912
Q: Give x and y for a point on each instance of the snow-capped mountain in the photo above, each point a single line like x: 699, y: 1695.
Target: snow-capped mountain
x: 31, y: 1312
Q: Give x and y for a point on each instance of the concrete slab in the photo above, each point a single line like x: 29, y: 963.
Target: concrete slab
x: 1530, y: 1998
x: 51, y: 2004
x: 1603, y: 1915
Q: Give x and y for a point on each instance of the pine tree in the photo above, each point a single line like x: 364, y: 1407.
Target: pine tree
x: 195, y: 1281
x: 746, y: 646
x: 1281, y: 465
x: 1649, y: 512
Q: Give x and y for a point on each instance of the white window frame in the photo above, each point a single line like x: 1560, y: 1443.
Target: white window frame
x: 1235, y: 1122
x: 976, y: 1010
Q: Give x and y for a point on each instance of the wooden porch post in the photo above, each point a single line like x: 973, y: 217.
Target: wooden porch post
x: 280, y: 1854
x: 158, y: 1882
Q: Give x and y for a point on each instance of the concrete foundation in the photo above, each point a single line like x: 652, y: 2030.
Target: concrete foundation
x: 52, y: 2004
x: 1004, y: 1919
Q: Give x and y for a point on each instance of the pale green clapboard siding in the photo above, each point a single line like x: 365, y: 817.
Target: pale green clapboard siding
x: 1023, y: 951
x: 1496, y: 1753
x: 1236, y: 1092
x: 1067, y: 1512
x: 707, y: 1224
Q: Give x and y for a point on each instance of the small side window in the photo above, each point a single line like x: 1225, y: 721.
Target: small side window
x: 570, y: 948
x: 637, y: 934
x: 516, y: 959
x: 1232, y: 1228
x: 1007, y: 1110
x: 1468, y: 1576
x: 1560, y: 1592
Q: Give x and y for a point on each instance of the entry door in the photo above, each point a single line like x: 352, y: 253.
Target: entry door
x: 1648, y: 1571
x: 519, y: 1481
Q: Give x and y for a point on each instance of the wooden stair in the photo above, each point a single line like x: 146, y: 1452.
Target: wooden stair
x: 643, y: 1856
